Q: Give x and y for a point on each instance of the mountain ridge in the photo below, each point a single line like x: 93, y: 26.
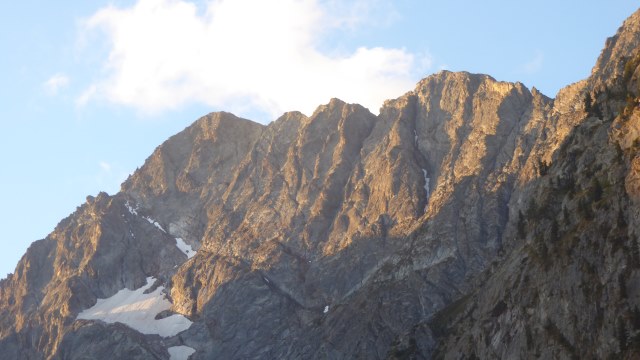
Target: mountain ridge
x: 341, y: 234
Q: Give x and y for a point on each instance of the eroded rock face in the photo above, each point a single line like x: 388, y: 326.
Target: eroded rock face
x: 318, y: 220
x: 303, y: 215
x: 569, y: 289
x: 344, y: 234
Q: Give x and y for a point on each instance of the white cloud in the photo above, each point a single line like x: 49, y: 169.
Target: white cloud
x: 105, y: 166
x: 241, y: 55
x: 354, y: 13
x: 535, y: 64
x: 55, y: 83
x: 86, y: 95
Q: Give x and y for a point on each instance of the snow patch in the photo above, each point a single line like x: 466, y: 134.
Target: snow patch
x: 131, y: 209
x: 326, y: 309
x: 137, y: 310
x: 181, y: 352
x: 415, y: 137
x: 185, y: 248
x: 182, y: 246
x: 426, y: 182
x: 154, y: 223
x: 134, y: 211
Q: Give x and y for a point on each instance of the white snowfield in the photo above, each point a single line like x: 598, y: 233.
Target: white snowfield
x: 137, y: 310
x: 180, y: 352
x: 185, y: 248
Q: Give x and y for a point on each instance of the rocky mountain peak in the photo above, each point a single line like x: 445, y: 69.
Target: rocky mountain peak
x: 312, y: 211
x: 461, y: 220
x: 618, y: 49
x: 575, y: 261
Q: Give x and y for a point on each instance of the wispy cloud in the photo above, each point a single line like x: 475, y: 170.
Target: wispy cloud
x: 241, y: 55
x: 110, y: 176
x: 105, y: 166
x: 358, y: 13
x: 55, y: 83
x: 535, y: 64
x: 86, y: 95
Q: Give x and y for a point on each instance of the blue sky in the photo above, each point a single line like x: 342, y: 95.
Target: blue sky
x: 89, y: 89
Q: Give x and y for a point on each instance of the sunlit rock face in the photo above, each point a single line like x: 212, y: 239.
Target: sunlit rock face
x: 295, y: 222
x: 569, y: 288
x: 343, y: 234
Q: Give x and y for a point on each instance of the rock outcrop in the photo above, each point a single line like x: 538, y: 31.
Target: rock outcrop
x: 569, y: 288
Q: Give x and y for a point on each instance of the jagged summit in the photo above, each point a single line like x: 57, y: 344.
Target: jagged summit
x: 446, y: 76
x: 618, y: 48
x: 576, y: 263
x: 306, y: 209
x: 286, y: 204
x: 461, y: 220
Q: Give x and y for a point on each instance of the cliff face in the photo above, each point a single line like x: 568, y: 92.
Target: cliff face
x: 345, y: 234
x: 569, y: 289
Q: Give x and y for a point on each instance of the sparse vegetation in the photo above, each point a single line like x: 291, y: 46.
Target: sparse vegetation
x: 499, y: 309
x: 621, y: 221
x: 622, y: 286
x: 629, y: 96
x: 622, y: 335
x: 521, y: 226
x: 584, y: 209
x: 554, y: 233
x: 588, y: 103
x: 565, y: 215
x: 400, y: 351
x: 635, y: 254
x: 636, y: 318
x: 555, y: 334
x: 630, y: 67
x: 532, y: 210
x: 596, y: 190
x: 529, y: 337
x: 448, y: 316
x: 543, y: 168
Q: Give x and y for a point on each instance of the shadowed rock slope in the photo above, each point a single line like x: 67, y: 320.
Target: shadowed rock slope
x: 569, y: 289
x: 462, y: 220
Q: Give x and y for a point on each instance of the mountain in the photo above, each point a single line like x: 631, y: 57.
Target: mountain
x: 471, y: 218
x: 569, y: 288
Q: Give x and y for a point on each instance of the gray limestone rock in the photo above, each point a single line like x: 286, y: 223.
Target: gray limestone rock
x: 471, y: 216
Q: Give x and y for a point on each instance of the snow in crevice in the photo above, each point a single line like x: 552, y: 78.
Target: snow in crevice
x: 415, y: 137
x: 427, y: 180
x: 181, y: 352
x: 180, y: 243
x: 138, y: 310
x: 185, y: 248
x: 154, y: 223
x: 131, y: 209
x: 326, y: 309
x: 134, y: 211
